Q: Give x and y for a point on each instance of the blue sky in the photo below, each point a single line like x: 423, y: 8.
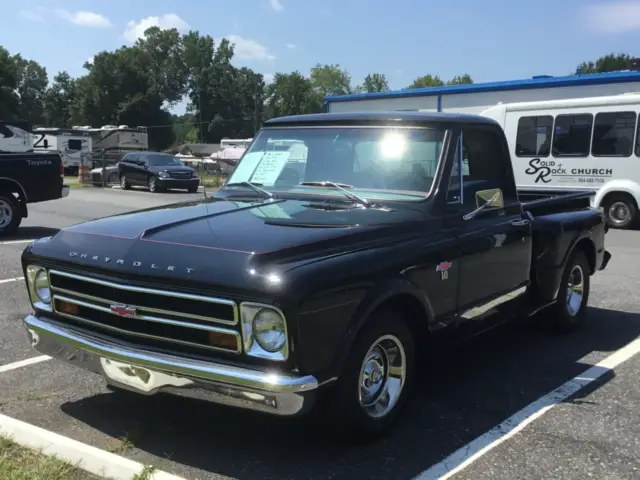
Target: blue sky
x: 490, y: 39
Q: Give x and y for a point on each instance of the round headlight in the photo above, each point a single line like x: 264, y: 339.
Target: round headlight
x: 269, y: 330
x: 41, y: 286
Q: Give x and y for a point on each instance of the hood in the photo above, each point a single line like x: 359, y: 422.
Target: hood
x: 222, y: 242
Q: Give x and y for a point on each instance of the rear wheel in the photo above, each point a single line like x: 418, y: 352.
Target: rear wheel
x: 10, y: 214
x: 620, y: 211
x: 375, y: 381
x: 570, y: 309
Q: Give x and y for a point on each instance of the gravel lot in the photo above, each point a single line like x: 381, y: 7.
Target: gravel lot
x: 473, y: 388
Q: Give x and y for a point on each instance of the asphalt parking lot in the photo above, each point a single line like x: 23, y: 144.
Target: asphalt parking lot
x: 472, y: 389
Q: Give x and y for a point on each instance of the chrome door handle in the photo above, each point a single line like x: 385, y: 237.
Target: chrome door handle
x: 520, y: 223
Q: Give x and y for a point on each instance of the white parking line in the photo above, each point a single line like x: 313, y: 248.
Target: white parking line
x: 23, y: 363
x: 9, y: 280
x: 88, y: 458
x: 11, y: 242
x: 466, y: 455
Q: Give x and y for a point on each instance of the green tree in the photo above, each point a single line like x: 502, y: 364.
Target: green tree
x: 426, y: 81
x: 32, y: 87
x: 291, y: 94
x: 375, y: 82
x: 461, y: 80
x: 9, y: 100
x: 58, y: 100
x: 330, y: 80
x: 608, y: 63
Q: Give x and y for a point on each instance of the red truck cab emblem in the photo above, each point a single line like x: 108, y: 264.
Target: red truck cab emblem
x: 123, y: 310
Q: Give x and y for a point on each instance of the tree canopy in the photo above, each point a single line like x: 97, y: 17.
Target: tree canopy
x: 138, y: 84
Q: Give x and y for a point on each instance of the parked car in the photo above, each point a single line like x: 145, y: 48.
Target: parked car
x: 300, y: 288
x: 110, y: 173
x: 157, y: 171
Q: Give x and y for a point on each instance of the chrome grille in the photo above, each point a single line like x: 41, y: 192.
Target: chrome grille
x: 163, y: 317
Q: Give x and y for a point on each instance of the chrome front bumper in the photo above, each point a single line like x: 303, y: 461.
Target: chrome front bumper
x: 150, y: 372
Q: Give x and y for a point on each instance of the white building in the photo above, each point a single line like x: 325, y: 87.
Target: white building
x: 477, y: 97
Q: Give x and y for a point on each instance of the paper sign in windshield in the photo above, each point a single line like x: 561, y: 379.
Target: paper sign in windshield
x: 246, y: 166
x: 269, y: 168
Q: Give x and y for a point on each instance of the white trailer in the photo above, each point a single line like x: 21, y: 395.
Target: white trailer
x: 117, y: 138
x: 15, y: 137
x: 569, y: 145
x: 73, y: 145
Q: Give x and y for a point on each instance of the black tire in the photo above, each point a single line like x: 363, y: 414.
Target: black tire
x: 10, y: 214
x: 342, y: 402
x: 620, y: 211
x: 568, y: 316
x: 124, y: 183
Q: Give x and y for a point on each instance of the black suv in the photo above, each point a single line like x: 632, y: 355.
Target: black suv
x: 157, y: 171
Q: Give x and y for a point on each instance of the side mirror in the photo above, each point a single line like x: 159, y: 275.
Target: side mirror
x: 486, y: 200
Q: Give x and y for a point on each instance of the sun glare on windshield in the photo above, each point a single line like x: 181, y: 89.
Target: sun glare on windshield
x: 393, y: 146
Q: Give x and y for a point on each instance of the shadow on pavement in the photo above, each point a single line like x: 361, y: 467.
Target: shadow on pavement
x: 29, y: 233
x: 470, y: 390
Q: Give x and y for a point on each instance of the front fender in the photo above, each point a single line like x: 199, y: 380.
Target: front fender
x: 374, y: 298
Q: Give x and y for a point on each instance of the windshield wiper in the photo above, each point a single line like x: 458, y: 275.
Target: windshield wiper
x: 253, y: 186
x: 342, y: 187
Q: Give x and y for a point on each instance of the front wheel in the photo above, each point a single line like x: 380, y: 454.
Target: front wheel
x: 570, y: 309
x: 374, y: 384
x: 152, y: 183
x: 10, y: 215
x: 124, y: 183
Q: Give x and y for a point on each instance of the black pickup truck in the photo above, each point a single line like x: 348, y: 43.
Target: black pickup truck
x: 315, y: 279
x: 27, y: 177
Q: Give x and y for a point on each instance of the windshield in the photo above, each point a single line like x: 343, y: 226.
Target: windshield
x: 377, y: 162
x: 161, y: 160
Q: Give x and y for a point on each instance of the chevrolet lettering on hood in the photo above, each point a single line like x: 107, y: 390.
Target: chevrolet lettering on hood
x: 135, y: 263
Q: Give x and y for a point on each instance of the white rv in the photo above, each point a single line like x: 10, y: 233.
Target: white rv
x: 235, y: 142
x: 72, y: 144
x: 560, y: 146
x: 15, y: 137
x: 118, y: 138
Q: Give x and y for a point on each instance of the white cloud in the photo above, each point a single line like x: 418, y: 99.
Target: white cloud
x: 268, y: 77
x: 248, y: 49
x: 35, y: 14
x: 167, y: 21
x: 276, y: 5
x: 614, y: 17
x: 291, y: 46
x: 85, y: 19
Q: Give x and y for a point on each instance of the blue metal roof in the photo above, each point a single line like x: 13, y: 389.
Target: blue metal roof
x: 526, y: 84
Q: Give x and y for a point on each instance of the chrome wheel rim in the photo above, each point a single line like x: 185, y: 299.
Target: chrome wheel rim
x: 382, y: 376
x: 6, y: 213
x: 619, y: 212
x: 152, y: 184
x: 575, y: 290
x: 123, y: 182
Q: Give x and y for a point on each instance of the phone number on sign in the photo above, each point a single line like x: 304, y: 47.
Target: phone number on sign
x: 591, y: 180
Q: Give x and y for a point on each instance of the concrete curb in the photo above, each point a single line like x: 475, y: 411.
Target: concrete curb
x: 91, y: 459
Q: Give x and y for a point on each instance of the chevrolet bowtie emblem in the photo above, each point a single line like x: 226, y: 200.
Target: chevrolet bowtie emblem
x: 123, y: 310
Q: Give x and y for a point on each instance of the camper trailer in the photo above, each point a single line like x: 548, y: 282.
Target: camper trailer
x: 117, y: 138
x: 73, y: 145
x: 15, y: 137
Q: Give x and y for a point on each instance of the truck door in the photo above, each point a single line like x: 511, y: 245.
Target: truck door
x: 495, y: 243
